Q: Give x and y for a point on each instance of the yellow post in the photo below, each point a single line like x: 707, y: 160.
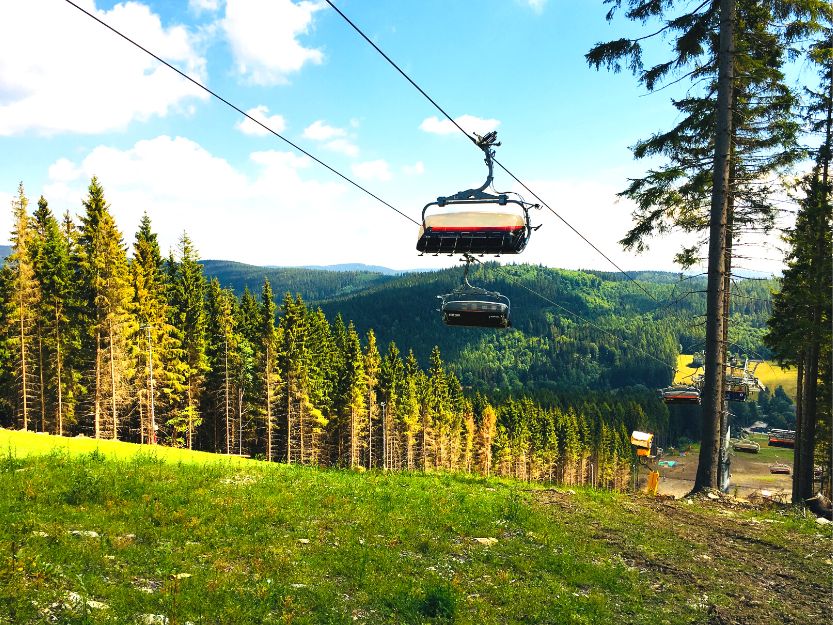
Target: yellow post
x: 653, y: 482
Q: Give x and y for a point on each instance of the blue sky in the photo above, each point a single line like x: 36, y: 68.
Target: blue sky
x: 75, y: 100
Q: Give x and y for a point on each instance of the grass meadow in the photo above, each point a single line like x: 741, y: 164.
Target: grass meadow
x: 105, y: 532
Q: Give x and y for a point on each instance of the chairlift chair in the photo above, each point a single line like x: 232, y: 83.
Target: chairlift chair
x: 472, y: 306
x: 680, y: 394
x: 476, y: 222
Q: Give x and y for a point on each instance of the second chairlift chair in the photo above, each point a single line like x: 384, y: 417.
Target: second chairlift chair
x: 469, y: 305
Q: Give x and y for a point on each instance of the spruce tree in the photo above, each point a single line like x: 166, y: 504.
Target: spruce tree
x: 24, y: 295
x: 105, y: 299
x: 58, y: 338
x: 187, y: 300
x: 372, y: 365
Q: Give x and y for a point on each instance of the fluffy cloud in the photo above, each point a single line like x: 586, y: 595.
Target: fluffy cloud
x: 536, y: 5
x: 343, y: 146
x: 372, y: 170
x: 263, y: 36
x: 469, y: 123
x: 198, y: 6
x: 417, y: 169
x: 78, y: 77
x: 321, y: 131
x: 261, y: 113
x: 336, y: 138
x: 594, y: 209
x: 271, y: 210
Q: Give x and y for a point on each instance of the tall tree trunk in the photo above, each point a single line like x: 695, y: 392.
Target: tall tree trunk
x: 799, y: 427
x: 269, y: 410
x: 352, y: 437
x: 151, y: 402
x: 723, y: 453
x: 23, y: 363
x: 97, y: 408
x: 240, y: 417
x: 712, y: 401
x: 113, y: 385
x: 58, y: 358
x: 301, y: 450
x: 228, y: 425
x: 190, y: 411
x: 288, y: 420
x: 369, y: 429
x: 42, y: 385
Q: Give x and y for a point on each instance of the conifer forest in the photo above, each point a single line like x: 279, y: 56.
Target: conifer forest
x: 147, y: 349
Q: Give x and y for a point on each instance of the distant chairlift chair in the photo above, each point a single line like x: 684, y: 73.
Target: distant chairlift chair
x: 471, y: 306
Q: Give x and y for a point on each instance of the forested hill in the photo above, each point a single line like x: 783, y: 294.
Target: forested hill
x: 312, y: 283
x: 630, y: 336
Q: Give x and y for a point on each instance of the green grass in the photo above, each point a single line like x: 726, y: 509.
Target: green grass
x: 31, y: 443
x: 197, y: 538
x: 767, y: 372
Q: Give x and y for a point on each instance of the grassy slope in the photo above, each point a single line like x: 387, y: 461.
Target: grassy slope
x: 769, y: 373
x: 276, y: 544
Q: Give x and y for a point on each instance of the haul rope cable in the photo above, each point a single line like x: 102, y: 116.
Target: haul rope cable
x: 622, y: 341
x: 241, y: 111
x: 473, y: 140
x: 339, y: 174
x: 503, y: 167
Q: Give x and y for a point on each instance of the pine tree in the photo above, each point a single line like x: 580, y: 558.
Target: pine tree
x: 158, y: 354
x: 411, y: 411
x: 485, y: 439
x: 106, y: 295
x: 372, y: 365
x: 58, y: 339
x: 269, y: 341
x: 392, y: 388
x: 352, y: 391
x: 222, y: 352
x: 24, y: 295
x: 187, y: 300
x: 321, y: 383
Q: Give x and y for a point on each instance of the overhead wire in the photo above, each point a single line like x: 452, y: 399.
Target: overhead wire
x: 368, y: 192
x: 616, y: 337
x: 239, y: 110
x: 473, y: 140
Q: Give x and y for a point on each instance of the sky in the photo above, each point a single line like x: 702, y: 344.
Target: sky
x: 76, y: 101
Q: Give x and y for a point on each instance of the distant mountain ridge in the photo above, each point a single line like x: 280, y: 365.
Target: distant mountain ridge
x: 313, y: 284
x: 362, y: 267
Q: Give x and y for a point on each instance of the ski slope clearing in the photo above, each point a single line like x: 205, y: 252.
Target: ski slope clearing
x: 92, y: 536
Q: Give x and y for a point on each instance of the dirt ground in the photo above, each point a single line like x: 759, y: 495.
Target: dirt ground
x: 766, y: 574
x: 749, y: 473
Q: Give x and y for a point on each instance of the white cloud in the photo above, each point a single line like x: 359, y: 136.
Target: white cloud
x: 263, y: 36
x: 416, y: 169
x: 372, y: 170
x: 271, y: 210
x: 343, y: 146
x: 336, y: 138
x: 593, y: 208
x: 199, y: 6
x: 537, y: 6
x: 321, y: 131
x: 75, y: 76
x: 261, y: 113
x: 469, y: 123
